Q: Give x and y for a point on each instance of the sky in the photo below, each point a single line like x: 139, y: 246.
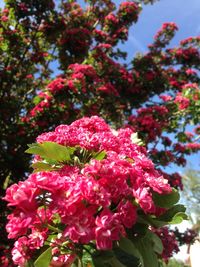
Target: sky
x: 183, y: 12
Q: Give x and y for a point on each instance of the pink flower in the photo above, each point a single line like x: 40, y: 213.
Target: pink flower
x: 144, y: 198
x: 18, y: 224
x: 4, y: 18
x: 19, y: 252
x: 182, y: 101
x: 22, y: 196
x: 127, y: 213
x: 166, y: 98
x: 107, y: 230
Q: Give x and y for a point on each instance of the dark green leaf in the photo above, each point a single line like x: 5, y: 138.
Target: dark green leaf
x: 128, y: 246
x: 157, y: 243
x: 169, y: 214
x: 174, y: 215
x: 114, y: 262
x: 126, y: 259
x: 166, y: 201
x: 146, y: 249
x: 44, y: 259
x: 101, y: 258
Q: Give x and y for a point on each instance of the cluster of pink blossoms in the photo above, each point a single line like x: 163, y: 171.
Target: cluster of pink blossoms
x: 92, y: 201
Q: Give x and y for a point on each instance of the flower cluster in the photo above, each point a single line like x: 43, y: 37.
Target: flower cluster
x: 187, y: 237
x: 169, y: 241
x: 91, y: 197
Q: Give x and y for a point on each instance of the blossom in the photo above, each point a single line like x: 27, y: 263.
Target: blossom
x: 182, y: 101
x: 92, y: 200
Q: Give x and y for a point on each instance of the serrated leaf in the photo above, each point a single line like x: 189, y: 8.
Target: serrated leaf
x: 44, y: 259
x: 167, y: 200
x: 51, y: 150
x: 128, y: 246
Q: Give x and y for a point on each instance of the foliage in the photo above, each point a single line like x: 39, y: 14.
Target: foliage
x: 156, y: 94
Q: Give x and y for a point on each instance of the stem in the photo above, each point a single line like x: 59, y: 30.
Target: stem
x: 54, y: 228
x: 80, y: 263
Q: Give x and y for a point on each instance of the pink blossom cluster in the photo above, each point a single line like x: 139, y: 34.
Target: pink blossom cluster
x: 151, y: 121
x: 128, y: 12
x: 183, y: 102
x: 164, y: 35
x: 94, y: 201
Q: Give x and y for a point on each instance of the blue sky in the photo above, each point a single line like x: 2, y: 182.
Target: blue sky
x: 183, y: 12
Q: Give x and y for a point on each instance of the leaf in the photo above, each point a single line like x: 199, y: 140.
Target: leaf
x: 36, y: 100
x: 51, y: 150
x: 136, y: 140
x: 101, y: 258
x: 166, y: 201
x: 157, y: 243
x: 178, y: 218
x: 169, y: 214
x: 100, y: 155
x: 114, y: 262
x: 174, y: 215
x: 44, y: 259
x: 86, y: 259
x: 146, y: 249
x: 126, y: 259
x: 128, y: 246
x: 41, y: 166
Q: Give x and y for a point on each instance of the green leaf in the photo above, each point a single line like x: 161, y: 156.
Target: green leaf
x: 166, y: 201
x: 126, y: 259
x: 174, y: 215
x: 101, y: 258
x: 178, y: 218
x: 44, y: 259
x: 100, y: 155
x: 157, y: 243
x: 128, y: 246
x: 36, y: 100
x: 114, y: 262
x: 51, y: 150
x: 146, y: 249
x: 41, y: 166
x: 171, y: 213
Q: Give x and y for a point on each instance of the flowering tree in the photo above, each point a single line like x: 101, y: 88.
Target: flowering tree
x: 156, y: 96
